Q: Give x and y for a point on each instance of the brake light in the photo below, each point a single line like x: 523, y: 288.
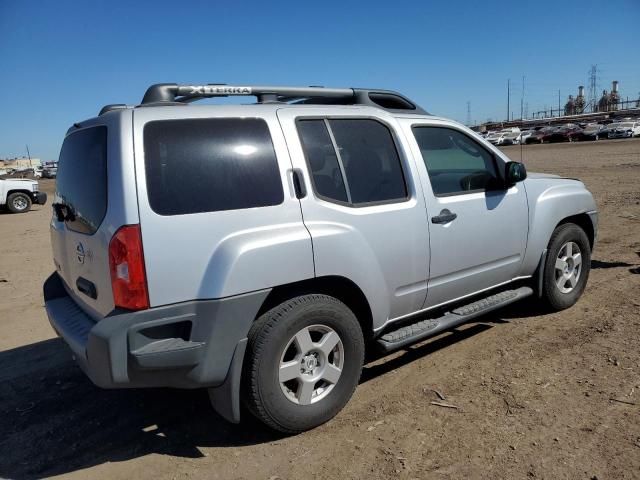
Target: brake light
x: 126, y: 264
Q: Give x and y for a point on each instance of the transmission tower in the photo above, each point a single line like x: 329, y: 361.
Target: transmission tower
x: 593, y: 87
x: 468, y: 114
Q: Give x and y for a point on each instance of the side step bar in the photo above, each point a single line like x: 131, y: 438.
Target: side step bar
x: 422, y: 329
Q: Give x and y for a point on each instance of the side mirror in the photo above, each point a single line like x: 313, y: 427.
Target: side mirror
x: 514, y: 172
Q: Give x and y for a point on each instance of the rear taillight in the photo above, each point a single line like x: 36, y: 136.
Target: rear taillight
x: 126, y: 264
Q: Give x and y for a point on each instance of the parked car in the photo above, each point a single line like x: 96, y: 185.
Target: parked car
x: 50, y: 172
x: 624, y: 130
x: 17, y: 195
x: 511, y: 138
x: 608, y: 128
x: 524, y: 136
x: 592, y: 131
x: 495, y: 138
x: 562, y: 133
x: 539, y: 135
x: 259, y: 250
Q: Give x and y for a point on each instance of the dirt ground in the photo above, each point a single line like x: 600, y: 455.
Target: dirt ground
x: 540, y: 395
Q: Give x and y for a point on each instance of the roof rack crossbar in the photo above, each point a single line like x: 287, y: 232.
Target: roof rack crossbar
x: 164, y: 93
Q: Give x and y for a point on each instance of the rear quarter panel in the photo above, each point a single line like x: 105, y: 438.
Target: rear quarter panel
x: 219, y: 254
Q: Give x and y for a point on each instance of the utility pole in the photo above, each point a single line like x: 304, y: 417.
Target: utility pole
x: 28, y: 155
x: 593, y: 86
x: 522, y: 100
x: 468, y: 113
x: 558, y: 102
x: 508, y: 97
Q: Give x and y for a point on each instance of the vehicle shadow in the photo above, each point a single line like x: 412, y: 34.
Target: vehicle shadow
x: 55, y: 421
x: 414, y: 352
x: 596, y: 264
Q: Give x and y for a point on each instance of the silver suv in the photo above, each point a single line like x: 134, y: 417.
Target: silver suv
x: 259, y: 250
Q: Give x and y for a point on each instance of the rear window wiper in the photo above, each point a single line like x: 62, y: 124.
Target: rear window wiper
x: 64, y: 212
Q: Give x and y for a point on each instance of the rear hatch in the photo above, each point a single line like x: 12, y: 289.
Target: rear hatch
x: 79, y: 241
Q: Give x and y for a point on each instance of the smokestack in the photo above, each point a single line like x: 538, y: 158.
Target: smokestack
x: 581, y: 91
x: 614, y: 88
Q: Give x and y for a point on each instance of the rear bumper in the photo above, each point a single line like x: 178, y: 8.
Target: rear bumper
x: 187, y: 345
x: 39, y: 198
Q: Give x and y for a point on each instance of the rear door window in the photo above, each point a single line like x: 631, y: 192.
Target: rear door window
x: 353, y: 161
x: 81, y: 183
x: 209, y: 165
x: 323, y: 162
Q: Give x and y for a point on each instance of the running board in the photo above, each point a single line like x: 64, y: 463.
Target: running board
x: 432, y: 326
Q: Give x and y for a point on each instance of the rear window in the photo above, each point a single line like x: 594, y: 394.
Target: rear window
x: 209, y: 165
x: 81, y: 182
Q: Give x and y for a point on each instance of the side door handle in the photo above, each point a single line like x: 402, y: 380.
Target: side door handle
x: 298, y: 183
x: 445, y: 216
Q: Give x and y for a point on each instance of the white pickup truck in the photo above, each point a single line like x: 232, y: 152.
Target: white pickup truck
x: 18, y: 194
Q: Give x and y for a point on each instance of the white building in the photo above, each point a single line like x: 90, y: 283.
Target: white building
x: 20, y: 163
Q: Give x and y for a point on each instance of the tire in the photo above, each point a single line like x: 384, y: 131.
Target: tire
x: 274, y: 343
x: 18, y: 202
x: 564, y: 282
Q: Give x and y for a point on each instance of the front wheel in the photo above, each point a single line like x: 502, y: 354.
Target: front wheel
x: 304, y: 362
x: 567, y: 266
x: 19, y: 202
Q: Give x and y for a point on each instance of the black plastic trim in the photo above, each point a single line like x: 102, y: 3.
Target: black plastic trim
x: 118, y: 352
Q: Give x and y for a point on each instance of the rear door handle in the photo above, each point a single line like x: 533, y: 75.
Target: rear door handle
x: 298, y: 184
x: 445, y: 216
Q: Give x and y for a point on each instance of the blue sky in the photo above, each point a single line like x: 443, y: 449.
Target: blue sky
x: 62, y: 60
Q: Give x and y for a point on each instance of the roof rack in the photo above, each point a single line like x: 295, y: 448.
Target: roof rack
x: 174, y: 94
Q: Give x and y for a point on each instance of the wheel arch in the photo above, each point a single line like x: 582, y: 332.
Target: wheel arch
x: 339, y: 287
x: 584, y: 222
x: 19, y: 190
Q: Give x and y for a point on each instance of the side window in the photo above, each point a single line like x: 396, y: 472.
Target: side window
x: 456, y: 163
x: 353, y: 160
x: 322, y: 159
x: 370, y: 159
x: 209, y: 165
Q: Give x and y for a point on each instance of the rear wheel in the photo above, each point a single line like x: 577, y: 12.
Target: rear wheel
x: 18, y: 202
x: 304, y: 362
x: 567, y: 266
